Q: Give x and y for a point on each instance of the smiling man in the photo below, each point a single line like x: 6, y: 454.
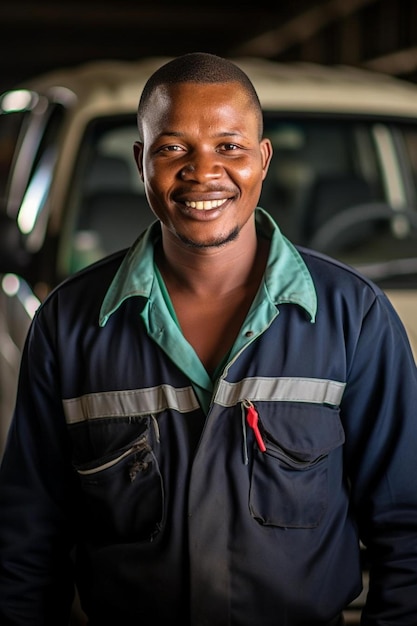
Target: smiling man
x: 209, y: 423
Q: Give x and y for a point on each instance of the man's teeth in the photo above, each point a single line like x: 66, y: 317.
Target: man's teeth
x: 205, y: 205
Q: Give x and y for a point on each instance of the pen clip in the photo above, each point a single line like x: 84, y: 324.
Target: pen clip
x: 252, y: 419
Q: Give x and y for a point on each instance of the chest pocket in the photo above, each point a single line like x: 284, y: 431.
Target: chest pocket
x: 122, y: 493
x: 289, y: 481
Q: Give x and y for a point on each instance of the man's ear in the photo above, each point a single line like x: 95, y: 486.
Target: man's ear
x: 138, y: 154
x: 267, y: 152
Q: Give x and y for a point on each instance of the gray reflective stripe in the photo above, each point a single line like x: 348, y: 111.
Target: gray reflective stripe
x: 156, y: 399
x: 315, y: 390
x: 132, y: 402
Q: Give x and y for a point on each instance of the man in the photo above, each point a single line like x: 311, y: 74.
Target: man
x: 208, y: 425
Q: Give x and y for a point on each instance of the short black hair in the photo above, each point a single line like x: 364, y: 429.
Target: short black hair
x: 199, y: 67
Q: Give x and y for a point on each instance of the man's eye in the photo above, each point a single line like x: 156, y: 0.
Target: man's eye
x: 230, y: 146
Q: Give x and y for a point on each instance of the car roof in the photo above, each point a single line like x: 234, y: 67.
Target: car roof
x: 284, y: 86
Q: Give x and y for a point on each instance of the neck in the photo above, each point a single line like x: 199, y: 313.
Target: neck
x: 214, y: 270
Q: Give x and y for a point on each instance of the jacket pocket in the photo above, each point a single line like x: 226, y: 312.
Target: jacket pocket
x: 289, y: 481
x: 123, y: 494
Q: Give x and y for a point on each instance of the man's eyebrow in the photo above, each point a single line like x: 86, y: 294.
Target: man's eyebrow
x: 177, y: 133
x: 228, y: 133
x: 171, y: 133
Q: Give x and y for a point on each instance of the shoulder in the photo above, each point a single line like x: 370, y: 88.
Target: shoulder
x: 327, y: 270
x: 83, y: 292
x: 343, y: 290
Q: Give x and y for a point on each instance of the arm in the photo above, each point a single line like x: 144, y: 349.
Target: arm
x: 37, y: 500
x: 380, y: 417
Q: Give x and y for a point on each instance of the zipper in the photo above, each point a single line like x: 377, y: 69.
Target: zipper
x: 137, y: 447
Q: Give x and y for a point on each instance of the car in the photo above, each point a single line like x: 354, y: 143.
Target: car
x: 343, y: 180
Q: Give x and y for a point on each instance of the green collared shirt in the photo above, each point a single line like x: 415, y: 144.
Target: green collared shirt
x: 286, y: 280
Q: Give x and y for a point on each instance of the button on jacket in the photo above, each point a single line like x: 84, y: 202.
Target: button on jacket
x: 237, y: 501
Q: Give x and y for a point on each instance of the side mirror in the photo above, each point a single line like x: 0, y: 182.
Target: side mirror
x: 14, y: 258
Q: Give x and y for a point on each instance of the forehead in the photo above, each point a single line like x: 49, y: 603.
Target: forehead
x: 199, y: 99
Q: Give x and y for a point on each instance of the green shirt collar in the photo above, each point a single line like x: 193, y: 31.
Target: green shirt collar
x: 287, y: 279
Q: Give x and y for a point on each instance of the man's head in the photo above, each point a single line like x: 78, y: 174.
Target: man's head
x: 201, y: 154
x: 198, y: 67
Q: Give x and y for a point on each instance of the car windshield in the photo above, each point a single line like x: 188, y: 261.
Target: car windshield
x: 333, y: 185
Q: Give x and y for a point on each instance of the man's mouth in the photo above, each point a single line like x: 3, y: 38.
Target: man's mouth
x: 205, y: 205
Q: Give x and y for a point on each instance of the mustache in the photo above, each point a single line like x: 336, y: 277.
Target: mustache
x: 186, y: 190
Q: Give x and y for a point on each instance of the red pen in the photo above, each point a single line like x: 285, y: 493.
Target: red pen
x: 252, y: 419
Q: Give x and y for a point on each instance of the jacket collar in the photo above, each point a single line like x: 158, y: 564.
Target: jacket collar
x: 287, y: 279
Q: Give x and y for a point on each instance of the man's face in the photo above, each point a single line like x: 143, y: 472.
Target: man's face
x: 201, y: 160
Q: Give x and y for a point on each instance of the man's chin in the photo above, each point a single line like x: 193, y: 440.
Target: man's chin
x: 216, y: 242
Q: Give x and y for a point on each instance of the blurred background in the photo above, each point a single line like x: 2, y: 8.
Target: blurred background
x: 39, y: 35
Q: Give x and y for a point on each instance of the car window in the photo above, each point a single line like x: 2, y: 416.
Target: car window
x: 108, y: 208
x: 337, y: 185
x: 318, y: 167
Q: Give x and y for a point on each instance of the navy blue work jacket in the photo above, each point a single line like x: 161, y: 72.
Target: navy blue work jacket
x: 101, y: 483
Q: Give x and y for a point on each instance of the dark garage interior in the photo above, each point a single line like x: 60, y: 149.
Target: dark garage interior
x: 37, y: 36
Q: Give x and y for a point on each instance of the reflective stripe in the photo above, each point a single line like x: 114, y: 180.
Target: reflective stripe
x: 131, y: 402
x: 316, y: 390
x: 157, y: 399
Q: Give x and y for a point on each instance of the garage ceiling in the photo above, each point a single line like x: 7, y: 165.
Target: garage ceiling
x: 40, y: 35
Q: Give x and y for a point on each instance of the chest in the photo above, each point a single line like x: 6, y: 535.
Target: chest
x: 211, y: 325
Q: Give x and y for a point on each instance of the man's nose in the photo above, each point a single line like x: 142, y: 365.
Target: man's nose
x: 201, y: 168
x: 187, y: 171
